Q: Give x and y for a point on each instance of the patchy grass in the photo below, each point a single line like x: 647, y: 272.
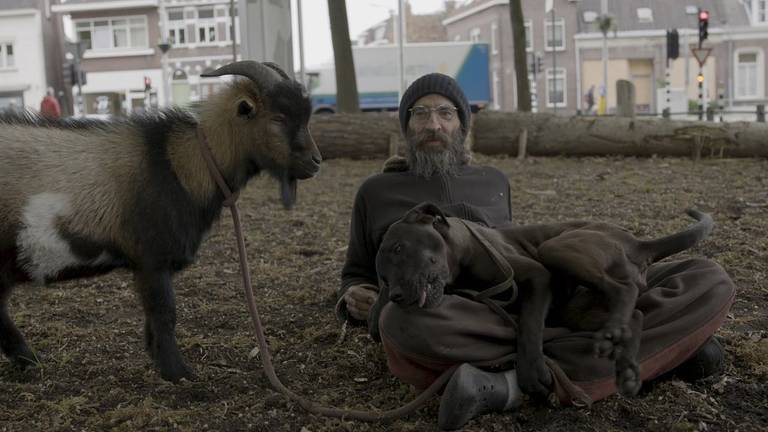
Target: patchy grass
x: 94, y: 374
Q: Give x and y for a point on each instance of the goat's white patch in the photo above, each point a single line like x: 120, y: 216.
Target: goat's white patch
x: 43, y: 252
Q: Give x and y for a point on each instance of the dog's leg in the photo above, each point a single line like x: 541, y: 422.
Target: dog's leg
x: 627, y: 367
x: 534, y: 297
x: 157, y: 297
x: 598, y: 261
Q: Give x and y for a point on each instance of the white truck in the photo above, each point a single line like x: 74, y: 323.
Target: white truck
x: 378, y: 78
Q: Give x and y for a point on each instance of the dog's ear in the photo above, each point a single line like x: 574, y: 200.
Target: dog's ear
x: 426, y: 212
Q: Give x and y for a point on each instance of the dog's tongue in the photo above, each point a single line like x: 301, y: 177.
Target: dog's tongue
x: 422, y: 297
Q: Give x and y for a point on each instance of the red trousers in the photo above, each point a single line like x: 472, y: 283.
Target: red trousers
x: 684, y: 304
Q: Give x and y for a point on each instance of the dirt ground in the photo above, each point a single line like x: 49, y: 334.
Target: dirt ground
x: 95, y: 374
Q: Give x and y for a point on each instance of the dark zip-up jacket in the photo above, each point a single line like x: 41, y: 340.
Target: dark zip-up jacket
x: 477, y: 193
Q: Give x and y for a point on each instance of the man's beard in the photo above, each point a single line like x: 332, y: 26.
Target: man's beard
x: 428, y: 162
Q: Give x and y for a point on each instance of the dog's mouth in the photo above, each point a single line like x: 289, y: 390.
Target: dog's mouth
x: 430, y: 293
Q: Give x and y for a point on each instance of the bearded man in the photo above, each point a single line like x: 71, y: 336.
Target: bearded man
x: 685, y: 302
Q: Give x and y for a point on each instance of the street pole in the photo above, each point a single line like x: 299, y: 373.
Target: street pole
x: 78, y: 56
x: 604, y: 12
x: 233, y: 32
x: 400, y: 44
x: 302, y: 69
x: 554, y: 59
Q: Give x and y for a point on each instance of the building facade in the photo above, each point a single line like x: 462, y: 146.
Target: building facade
x: 30, y: 54
x: 549, y: 43
x: 147, y: 53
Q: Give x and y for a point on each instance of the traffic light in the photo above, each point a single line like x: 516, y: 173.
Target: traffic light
x: 147, y: 83
x: 539, y: 63
x: 703, y: 24
x: 68, y: 71
x: 700, y: 78
x: 673, y: 44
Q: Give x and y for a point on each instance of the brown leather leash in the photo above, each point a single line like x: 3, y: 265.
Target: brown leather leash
x: 485, y: 295
x: 230, y: 200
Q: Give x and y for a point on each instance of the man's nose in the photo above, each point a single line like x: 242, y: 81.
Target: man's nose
x: 433, y: 122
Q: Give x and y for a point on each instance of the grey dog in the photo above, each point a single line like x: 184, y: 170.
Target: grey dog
x: 598, y: 270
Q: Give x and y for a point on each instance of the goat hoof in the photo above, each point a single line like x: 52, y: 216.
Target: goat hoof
x: 175, y: 373
x: 24, y: 358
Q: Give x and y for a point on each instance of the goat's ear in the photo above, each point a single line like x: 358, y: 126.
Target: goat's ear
x: 245, y: 109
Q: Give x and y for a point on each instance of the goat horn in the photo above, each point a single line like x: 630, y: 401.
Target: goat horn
x: 264, y: 75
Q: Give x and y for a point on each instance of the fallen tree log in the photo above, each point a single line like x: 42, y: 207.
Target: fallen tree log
x: 370, y: 135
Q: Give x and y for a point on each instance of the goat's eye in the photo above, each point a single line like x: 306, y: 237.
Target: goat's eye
x: 244, y: 109
x: 278, y: 118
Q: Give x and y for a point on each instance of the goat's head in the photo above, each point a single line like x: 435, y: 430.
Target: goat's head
x: 269, y: 114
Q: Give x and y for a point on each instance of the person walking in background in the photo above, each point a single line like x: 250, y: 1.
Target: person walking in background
x: 589, y: 99
x: 49, y: 107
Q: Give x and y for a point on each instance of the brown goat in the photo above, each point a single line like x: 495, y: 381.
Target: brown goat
x: 83, y: 197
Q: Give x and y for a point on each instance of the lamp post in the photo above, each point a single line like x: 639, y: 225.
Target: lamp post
x: 164, y: 46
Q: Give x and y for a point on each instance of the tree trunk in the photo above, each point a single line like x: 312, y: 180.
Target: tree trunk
x: 368, y: 136
x: 521, y: 60
x: 346, y: 85
x: 357, y: 136
x: 550, y: 135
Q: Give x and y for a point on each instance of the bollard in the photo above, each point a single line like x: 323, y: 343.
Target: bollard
x: 761, y: 113
x: 710, y: 113
x: 625, y: 98
x: 665, y: 113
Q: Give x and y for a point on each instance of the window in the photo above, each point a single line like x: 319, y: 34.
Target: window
x: 474, y: 35
x: 749, y: 74
x: 7, y: 58
x: 177, y: 28
x: 556, y: 87
x: 529, y: 35
x: 202, y: 25
x: 206, y: 25
x: 644, y: 15
x: 113, y: 33
x: 494, y: 38
x: 558, y: 42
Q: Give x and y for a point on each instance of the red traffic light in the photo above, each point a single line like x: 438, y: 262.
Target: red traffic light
x: 147, y: 81
x: 703, y: 15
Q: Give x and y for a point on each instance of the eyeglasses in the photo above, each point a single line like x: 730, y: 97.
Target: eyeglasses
x: 421, y: 114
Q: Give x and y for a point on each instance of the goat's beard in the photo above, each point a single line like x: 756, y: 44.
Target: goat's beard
x: 426, y: 162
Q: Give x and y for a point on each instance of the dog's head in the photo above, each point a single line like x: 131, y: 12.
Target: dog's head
x: 412, y: 261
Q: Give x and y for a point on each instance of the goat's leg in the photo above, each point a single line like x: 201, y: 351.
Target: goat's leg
x: 157, y: 297
x: 11, y: 340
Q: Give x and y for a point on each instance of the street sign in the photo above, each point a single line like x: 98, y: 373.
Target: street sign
x: 701, y: 54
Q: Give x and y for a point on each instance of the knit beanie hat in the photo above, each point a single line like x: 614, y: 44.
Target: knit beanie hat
x: 440, y: 84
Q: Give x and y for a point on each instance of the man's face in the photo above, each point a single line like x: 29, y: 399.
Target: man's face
x: 434, y: 141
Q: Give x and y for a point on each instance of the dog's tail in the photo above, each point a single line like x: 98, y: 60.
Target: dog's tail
x: 661, y: 248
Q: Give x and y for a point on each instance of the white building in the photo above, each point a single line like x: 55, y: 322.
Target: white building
x: 22, y: 63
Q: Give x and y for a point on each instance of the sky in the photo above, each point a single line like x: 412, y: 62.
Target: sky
x: 361, y: 14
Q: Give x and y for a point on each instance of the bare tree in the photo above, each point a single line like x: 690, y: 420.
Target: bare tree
x: 346, y: 84
x: 521, y: 61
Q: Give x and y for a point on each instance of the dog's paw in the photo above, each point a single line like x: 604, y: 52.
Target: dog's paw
x: 611, y: 341
x: 534, y: 378
x: 627, y: 376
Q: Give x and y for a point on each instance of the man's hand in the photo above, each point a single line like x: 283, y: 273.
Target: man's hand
x: 359, y: 299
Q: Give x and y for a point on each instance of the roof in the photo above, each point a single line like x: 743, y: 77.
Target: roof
x: 666, y: 14
x: 93, y: 5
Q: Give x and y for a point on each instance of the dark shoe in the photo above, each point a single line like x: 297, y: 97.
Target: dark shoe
x: 472, y: 392
x: 708, y: 360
